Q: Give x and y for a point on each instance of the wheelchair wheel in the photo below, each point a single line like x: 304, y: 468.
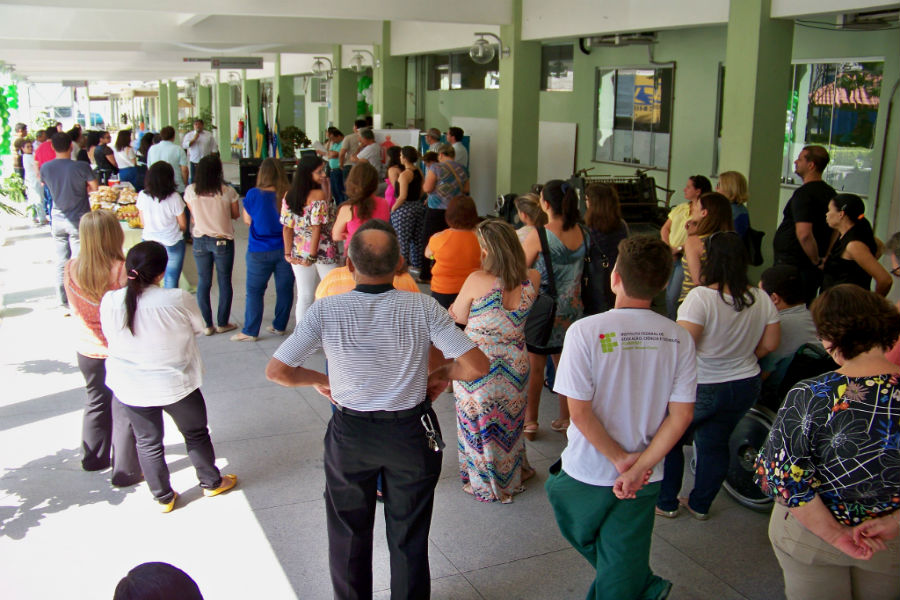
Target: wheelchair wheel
x: 746, y: 440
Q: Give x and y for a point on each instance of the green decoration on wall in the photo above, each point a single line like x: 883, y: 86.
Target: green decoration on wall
x: 364, y: 96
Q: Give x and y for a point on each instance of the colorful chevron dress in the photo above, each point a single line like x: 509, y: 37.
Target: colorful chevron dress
x: 490, y: 411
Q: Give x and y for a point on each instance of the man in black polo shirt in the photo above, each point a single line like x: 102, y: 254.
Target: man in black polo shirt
x: 803, y: 237
x: 69, y: 182
x: 377, y: 342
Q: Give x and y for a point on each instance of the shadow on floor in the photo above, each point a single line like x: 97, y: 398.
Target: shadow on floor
x: 43, y: 367
x: 74, y: 487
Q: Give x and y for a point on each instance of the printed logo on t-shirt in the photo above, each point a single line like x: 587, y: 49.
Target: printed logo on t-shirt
x: 607, y: 343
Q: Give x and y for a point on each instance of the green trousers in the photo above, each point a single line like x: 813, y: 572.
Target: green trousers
x: 611, y: 534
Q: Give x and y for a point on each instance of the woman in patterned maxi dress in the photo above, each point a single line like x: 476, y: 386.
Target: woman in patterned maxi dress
x: 493, y: 305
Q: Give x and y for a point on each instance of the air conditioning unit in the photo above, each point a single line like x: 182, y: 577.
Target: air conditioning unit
x: 621, y: 39
x: 876, y: 19
x: 318, y: 89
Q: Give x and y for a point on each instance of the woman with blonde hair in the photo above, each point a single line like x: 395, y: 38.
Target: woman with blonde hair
x: 100, y: 267
x: 493, y: 305
x: 265, y: 252
x: 733, y: 186
x: 528, y: 209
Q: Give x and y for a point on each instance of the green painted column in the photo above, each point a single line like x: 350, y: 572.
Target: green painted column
x: 286, y: 106
x: 251, y: 90
x: 757, y: 88
x: 517, y: 109
x: 223, y: 120
x: 163, y: 105
x: 389, y: 82
x: 204, y: 99
x: 173, y: 104
x: 343, y: 94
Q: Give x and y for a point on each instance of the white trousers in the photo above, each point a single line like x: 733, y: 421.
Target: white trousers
x: 307, y: 279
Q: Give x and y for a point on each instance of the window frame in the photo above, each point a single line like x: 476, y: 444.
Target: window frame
x: 671, y: 117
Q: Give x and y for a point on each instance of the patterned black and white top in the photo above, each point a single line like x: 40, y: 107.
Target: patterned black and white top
x: 837, y: 437
x: 376, y: 340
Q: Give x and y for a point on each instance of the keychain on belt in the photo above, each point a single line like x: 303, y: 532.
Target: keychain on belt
x: 434, y: 440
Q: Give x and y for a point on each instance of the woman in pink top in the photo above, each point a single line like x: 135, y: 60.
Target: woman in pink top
x: 361, y: 204
x: 99, y: 268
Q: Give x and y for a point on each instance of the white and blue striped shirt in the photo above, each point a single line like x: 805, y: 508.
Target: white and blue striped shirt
x: 376, y: 340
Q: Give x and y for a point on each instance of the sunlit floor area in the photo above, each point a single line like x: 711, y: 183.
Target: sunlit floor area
x: 66, y: 533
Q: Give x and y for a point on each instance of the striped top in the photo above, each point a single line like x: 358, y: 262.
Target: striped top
x: 376, y: 340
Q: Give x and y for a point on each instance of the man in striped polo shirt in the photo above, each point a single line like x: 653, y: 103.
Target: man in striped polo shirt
x: 377, y: 342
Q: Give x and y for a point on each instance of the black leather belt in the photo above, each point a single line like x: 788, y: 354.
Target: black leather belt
x: 388, y: 415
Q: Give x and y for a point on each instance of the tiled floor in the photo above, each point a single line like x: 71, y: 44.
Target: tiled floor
x: 65, y: 533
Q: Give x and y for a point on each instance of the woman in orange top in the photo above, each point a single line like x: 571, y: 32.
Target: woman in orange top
x: 455, y: 251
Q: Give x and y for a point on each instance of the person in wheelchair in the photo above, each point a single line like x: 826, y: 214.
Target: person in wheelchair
x: 782, y: 284
x: 832, y: 459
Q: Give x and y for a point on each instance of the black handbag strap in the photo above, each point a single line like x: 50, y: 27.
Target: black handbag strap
x: 545, y: 250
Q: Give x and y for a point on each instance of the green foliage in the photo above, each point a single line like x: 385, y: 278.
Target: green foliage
x: 291, y: 139
x: 12, y: 189
x: 186, y: 124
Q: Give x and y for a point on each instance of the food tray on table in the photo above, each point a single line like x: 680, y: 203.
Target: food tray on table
x: 120, y: 199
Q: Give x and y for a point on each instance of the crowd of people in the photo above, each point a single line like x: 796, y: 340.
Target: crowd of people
x: 634, y: 386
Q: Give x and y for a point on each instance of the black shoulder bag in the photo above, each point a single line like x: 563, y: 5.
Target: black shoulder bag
x: 596, y: 290
x: 539, y: 324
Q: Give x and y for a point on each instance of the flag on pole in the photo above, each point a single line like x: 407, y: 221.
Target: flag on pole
x: 276, y: 141
x: 262, y: 145
x: 248, y: 139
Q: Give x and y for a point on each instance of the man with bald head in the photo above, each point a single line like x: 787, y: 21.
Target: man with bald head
x: 377, y: 340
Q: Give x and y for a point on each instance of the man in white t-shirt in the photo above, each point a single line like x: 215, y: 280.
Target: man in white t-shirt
x: 199, y: 143
x: 369, y: 151
x: 630, y: 378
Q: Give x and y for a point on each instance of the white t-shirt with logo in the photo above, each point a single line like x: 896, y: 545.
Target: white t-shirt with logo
x: 160, y: 218
x: 629, y: 363
x: 727, y: 348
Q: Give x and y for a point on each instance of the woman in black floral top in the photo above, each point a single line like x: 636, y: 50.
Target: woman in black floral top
x: 832, y: 460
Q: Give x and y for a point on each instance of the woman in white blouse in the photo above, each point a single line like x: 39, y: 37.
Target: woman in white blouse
x: 154, y: 366
x: 162, y: 215
x: 126, y: 159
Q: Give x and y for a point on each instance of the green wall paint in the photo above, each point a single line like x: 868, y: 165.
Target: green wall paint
x: 223, y: 120
x: 389, y: 82
x: 251, y: 90
x: 286, y: 105
x: 441, y: 105
x: 204, y: 99
x: 757, y: 82
x: 173, y: 104
x: 163, y: 105
x: 343, y: 95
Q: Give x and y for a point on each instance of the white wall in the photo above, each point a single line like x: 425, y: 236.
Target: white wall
x: 568, y: 18
x: 421, y: 37
x: 801, y: 8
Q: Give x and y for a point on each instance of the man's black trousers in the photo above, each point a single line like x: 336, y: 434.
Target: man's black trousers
x: 357, y: 449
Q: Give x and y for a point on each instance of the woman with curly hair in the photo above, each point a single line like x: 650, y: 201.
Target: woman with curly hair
x: 832, y: 459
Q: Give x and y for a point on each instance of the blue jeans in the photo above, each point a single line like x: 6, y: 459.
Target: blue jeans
x: 176, y: 262
x: 261, y: 266
x: 673, y: 289
x: 336, y: 177
x: 719, y: 408
x: 209, y: 250
x: 67, y: 243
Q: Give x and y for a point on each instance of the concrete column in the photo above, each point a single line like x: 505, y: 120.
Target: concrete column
x: 223, y: 120
x: 343, y: 94
x: 276, y: 89
x: 389, y: 82
x: 286, y: 107
x: 173, y: 104
x: 757, y: 84
x: 162, y: 117
x: 517, y: 109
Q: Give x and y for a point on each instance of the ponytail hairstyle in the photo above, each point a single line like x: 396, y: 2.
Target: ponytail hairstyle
x: 144, y: 263
x: 563, y: 202
x: 726, y: 267
x: 530, y: 206
x: 855, y: 210
x: 101, y: 248
x: 303, y: 183
x: 360, y: 186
